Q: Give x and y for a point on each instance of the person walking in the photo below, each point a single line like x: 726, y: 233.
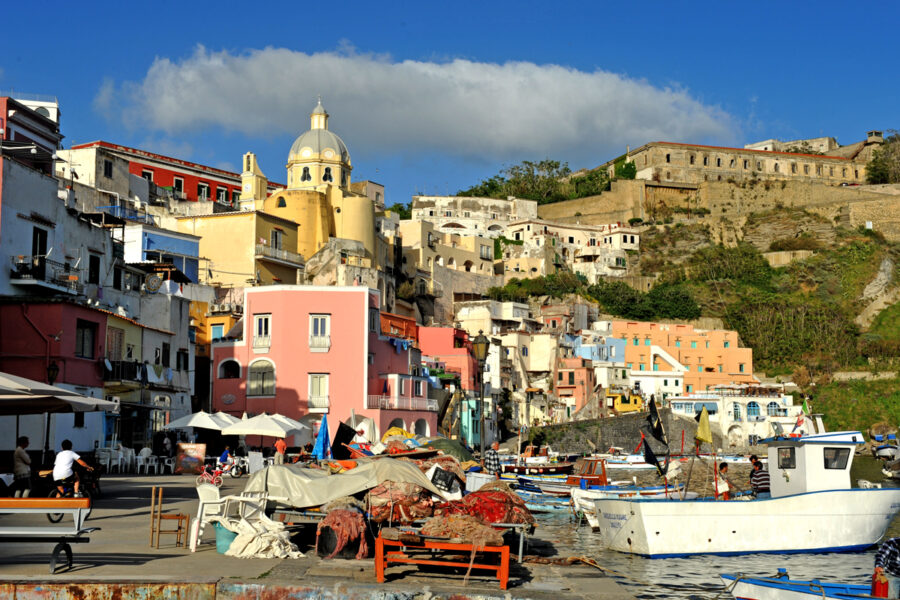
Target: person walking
x: 491, y: 461
x: 22, y: 469
x: 280, y: 449
x: 887, y: 566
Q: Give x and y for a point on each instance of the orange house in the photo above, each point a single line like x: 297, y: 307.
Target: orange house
x: 710, y: 357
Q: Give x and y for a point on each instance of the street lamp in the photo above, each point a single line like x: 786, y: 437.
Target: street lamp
x: 480, y: 348
x: 52, y: 372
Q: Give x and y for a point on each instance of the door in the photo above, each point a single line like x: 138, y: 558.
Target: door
x: 39, y: 252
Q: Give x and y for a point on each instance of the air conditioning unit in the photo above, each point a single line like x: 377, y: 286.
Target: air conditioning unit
x: 117, y: 400
x: 239, y: 308
x: 214, y: 308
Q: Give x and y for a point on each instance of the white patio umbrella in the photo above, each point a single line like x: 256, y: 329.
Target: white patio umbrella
x: 225, y: 417
x: 201, y: 419
x: 267, y: 425
x: 22, y: 396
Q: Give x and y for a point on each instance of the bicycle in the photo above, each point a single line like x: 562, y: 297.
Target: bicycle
x: 68, y: 492
x: 210, y: 475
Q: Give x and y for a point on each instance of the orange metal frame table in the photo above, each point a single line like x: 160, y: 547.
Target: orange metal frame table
x: 383, y: 556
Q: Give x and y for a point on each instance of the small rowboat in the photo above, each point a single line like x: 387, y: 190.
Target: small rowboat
x: 781, y: 587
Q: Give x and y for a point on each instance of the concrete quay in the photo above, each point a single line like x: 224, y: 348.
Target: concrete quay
x: 119, y: 564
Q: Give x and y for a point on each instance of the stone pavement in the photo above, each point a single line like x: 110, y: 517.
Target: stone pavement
x: 118, y: 562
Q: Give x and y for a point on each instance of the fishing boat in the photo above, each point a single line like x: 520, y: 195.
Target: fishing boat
x: 584, y: 499
x: 536, y: 460
x: 812, y: 509
x: 887, y: 448
x: 781, y: 587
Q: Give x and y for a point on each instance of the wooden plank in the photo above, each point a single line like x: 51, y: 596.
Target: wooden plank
x: 54, y: 503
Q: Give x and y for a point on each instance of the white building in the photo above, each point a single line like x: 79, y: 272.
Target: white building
x: 472, y: 216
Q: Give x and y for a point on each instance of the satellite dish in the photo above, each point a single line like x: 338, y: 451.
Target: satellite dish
x: 153, y: 283
x: 107, y: 364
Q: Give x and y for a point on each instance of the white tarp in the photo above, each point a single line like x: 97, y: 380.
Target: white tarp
x: 306, y: 487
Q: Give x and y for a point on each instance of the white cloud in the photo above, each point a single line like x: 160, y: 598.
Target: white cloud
x: 461, y: 107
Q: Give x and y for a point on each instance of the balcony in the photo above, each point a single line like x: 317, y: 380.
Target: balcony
x: 317, y: 404
x: 123, y: 376
x: 320, y: 343
x: 129, y: 214
x: 262, y: 343
x: 382, y: 402
x: 41, y: 272
x: 285, y: 257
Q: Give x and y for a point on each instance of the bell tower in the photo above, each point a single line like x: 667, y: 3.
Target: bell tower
x: 254, y: 184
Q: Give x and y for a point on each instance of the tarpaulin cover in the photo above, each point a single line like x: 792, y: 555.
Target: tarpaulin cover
x: 396, y: 431
x: 305, y: 487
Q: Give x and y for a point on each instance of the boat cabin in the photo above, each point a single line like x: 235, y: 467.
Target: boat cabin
x: 813, y: 463
x: 591, y: 471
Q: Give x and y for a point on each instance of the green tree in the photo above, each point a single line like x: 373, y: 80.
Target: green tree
x: 673, y: 302
x: 493, y: 187
x: 591, y: 183
x: 626, y: 169
x: 885, y: 164
x: 742, y: 263
x: 404, y: 211
x: 540, y: 181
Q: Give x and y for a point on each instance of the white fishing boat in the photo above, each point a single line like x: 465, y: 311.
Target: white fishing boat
x: 584, y: 499
x: 812, y: 509
x: 781, y: 587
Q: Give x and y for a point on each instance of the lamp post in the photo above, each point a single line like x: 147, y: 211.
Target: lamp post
x: 480, y: 348
x: 52, y: 374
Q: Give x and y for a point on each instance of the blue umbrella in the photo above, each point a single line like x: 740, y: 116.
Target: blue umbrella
x: 322, y: 449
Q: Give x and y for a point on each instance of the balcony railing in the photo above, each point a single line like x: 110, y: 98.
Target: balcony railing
x: 122, y: 370
x: 382, y: 402
x: 262, y: 341
x: 320, y: 341
x: 40, y: 269
x: 129, y: 214
x: 265, y: 251
x: 317, y: 402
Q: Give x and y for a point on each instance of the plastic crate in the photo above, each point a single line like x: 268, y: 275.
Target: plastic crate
x: 443, y: 480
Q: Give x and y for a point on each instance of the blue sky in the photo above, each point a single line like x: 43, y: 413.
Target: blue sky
x: 435, y: 97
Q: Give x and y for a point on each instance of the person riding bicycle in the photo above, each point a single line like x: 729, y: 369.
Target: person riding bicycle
x: 225, y: 462
x: 63, y: 474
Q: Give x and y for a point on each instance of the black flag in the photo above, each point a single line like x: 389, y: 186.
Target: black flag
x: 656, y: 427
x: 650, y: 459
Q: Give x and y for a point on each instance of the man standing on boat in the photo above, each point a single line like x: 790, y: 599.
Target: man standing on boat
x: 759, y: 481
x: 887, y: 566
x: 492, y: 460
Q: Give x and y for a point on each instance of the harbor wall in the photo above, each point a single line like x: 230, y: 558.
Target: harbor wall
x: 597, y: 435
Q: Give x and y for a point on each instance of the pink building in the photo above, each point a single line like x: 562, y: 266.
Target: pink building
x: 309, y: 351
x: 575, y: 381
x: 452, y: 347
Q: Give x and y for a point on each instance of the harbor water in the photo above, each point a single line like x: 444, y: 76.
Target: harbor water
x: 697, y: 577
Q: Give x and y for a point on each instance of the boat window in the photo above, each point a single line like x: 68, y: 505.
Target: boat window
x: 836, y: 458
x: 787, y: 458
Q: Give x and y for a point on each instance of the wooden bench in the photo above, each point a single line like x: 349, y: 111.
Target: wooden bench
x: 62, y: 534
x: 384, y: 556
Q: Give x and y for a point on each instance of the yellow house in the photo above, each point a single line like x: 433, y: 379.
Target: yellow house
x: 247, y: 248
x: 319, y: 194
x: 124, y: 355
x: 624, y: 402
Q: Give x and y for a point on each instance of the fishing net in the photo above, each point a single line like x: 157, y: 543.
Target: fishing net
x: 399, y: 502
x: 466, y: 528
x: 491, y: 506
x: 347, y: 525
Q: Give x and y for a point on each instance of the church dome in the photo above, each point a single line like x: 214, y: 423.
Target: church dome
x: 316, y: 143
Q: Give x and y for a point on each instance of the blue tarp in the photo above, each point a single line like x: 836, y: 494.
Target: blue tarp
x: 322, y: 449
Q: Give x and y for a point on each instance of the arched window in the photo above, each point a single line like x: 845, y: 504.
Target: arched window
x: 230, y: 369
x: 752, y: 409
x: 524, y: 350
x: 736, y: 409
x: 326, y: 176
x: 305, y: 176
x: 772, y: 409
x: 281, y: 203
x: 261, y: 379
x: 777, y: 168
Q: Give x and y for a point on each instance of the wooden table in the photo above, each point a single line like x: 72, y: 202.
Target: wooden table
x: 385, y: 556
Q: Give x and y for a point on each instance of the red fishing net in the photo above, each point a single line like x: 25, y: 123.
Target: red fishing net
x: 347, y: 525
x: 399, y: 502
x: 491, y: 506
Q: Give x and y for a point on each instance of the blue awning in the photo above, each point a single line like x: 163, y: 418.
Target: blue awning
x: 711, y: 407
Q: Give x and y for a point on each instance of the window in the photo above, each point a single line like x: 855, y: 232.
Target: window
x: 705, y: 161
x: 79, y: 420
x: 692, y: 159
x: 129, y: 351
x: 222, y: 195
x: 776, y: 167
x: 641, y: 367
x: 85, y: 333
x: 230, y: 369
x: 772, y: 409
x: 693, y: 343
x: 787, y: 458
x: 665, y: 381
x: 418, y: 388
x: 107, y: 168
x: 707, y: 344
x: 261, y: 329
x: 678, y: 343
x: 646, y: 341
x: 235, y: 196
x: 94, y: 269
x: 326, y: 176
x: 181, y: 360
x: 690, y: 389
x: 571, y: 377
x: 486, y: 253
x: 843, y: 172
x: 148, y: 175
x: 731, y: 163
x: 699, y: 368
x: 217, y: 331
x: 806, y: 169
x: 835, y: 458
x: 319, y: 333
x: 318, y: 390
x: 281, y: 203
x: 741, y: 368
x: 561, y: 374
x: 727, y: 343
x: 668, y: 158
x: 635, y: 341
x: 831, y: 171
x: 305, y: 176
x: 718, y: 162
x: 753, y: 409
x: 524, y: 350
x: 793, y: 167
x: 202, y: 191
x: 720, y: 368
x: 261, y: 379
x: 178, y: 186
x: 165, y: 354
x: 736, y: 409
x: 375, y: 321
x: 818, y: 169
x: 276, y: 238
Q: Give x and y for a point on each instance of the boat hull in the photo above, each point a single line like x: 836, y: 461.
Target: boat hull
x: 781, y: 588
x: 584, y: 499
x: 826, y: 521
x: 545, y: 469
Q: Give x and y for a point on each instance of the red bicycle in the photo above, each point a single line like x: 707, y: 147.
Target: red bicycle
x: 210, y: 475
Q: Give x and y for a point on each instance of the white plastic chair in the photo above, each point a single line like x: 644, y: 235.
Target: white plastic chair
x: 104, y: 459
x: 142, y: 461
x: 115, y: 461
x: 250, y: 506
x: 152, y: 463
x: 128, y: 459
x: 168, y: 463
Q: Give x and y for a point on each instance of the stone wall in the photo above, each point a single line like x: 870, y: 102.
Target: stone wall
x: 623, y: 432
